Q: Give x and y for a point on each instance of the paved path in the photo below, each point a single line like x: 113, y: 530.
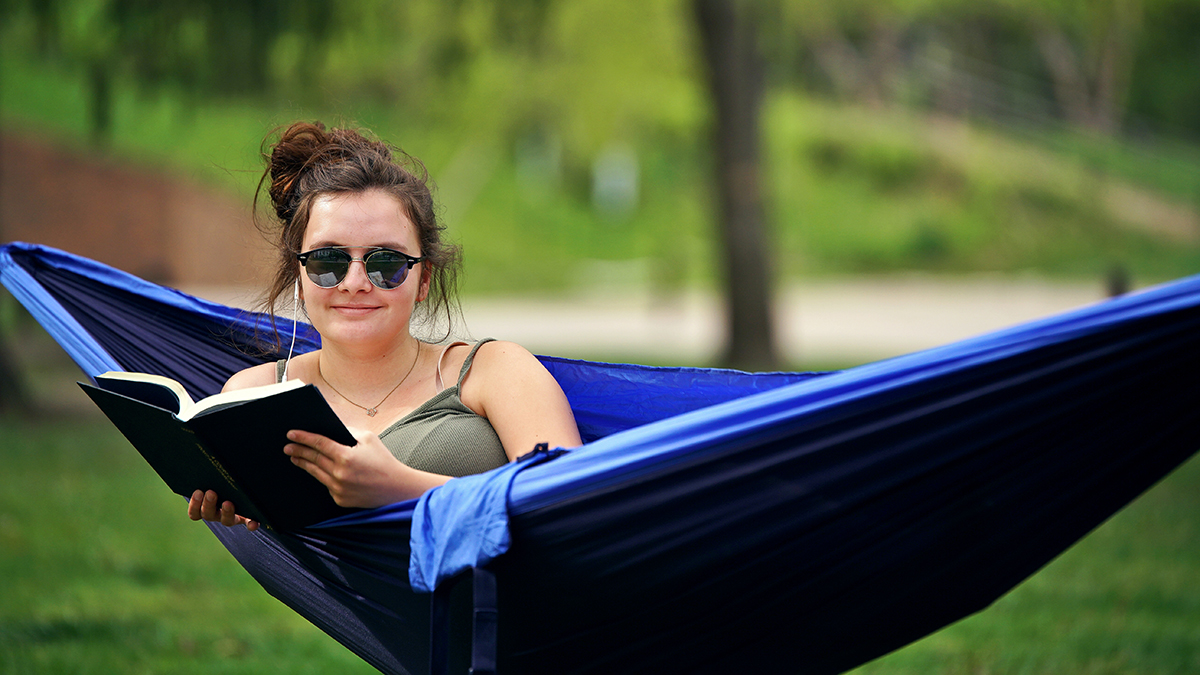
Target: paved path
x: 820, y: 323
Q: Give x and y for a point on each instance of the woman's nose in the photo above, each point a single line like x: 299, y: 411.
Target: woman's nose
x: 356, y: 275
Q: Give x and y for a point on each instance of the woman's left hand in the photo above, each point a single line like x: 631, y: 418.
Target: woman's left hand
x: 365, y: 475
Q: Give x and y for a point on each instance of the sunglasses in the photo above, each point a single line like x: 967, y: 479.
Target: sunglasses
x: 327, y: 267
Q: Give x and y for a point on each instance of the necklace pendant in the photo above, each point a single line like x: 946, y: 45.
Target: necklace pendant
x: 372, y: 411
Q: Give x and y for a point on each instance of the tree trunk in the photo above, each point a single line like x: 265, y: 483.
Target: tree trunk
x: 14, y: 398
x: 735, y: 76
x: 1067, y: 75
x: 1091, y: 79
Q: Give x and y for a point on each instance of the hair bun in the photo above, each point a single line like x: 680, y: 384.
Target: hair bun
x: 294, y: 153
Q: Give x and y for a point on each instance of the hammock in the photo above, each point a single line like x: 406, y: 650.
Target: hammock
x: 714, y: 521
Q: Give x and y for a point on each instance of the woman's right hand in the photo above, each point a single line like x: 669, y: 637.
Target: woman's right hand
x: 203, y: 505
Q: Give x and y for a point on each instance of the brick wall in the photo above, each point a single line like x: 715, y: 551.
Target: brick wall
x: 161, y: 227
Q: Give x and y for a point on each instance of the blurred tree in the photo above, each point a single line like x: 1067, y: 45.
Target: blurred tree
x: 201, y: 46
x: 14, y: 395
x: 594, y: 74
x: 855, y: 44
x: 998, y: 57
x: 591, y: 76
x: 584, y: 76
x: 1088, y: 48
x: 735, y: 75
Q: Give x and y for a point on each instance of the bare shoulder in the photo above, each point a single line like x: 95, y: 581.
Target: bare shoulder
x: 494, y: 356
x: 505, y: 370
x: 506, y: 359
x: 524, y: 403
x: 254, y: 376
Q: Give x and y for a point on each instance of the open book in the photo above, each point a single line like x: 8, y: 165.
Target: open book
x: 163, y: 392
x: 230, y: 442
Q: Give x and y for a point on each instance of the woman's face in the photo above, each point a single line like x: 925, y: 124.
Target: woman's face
x: 355, y: 313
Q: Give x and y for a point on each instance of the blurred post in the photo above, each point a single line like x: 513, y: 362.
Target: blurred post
x: 735, y: 78
x: 14, y: 397
x: 1116, y: 281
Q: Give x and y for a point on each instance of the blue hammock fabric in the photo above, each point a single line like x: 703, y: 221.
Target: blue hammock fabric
x: 714, y: 520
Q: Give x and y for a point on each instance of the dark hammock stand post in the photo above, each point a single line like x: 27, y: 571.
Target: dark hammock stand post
x: 714, y: 521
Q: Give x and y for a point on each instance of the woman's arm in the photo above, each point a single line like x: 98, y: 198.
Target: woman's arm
x: 520, y: 398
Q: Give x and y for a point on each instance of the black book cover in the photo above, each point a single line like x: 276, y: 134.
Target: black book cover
x: 236, y: 451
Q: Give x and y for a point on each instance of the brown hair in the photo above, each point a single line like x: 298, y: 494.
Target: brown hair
x: 308, y: 161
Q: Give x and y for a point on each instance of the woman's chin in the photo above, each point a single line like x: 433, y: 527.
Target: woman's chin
x: 352, y: 332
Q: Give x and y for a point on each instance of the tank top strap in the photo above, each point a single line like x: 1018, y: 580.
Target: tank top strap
x: 442, y: 357
x: 466, y: 366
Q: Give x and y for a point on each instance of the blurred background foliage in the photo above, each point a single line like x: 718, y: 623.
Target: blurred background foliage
x: 569, y: 138
x: 900, y: 134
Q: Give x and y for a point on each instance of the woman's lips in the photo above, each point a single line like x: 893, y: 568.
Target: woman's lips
x: 355, y: 310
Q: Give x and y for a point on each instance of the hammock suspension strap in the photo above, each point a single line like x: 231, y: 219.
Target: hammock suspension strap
x: 484, y: 624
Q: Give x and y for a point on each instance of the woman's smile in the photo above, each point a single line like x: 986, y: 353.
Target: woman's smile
x: 354, y: 309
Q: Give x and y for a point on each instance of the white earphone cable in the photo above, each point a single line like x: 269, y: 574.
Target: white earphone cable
x: 295, y: 307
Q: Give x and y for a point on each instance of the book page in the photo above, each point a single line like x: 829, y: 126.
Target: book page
x: 171, y: 387
x: 228, y: 398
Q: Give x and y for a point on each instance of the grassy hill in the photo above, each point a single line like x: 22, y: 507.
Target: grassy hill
x: 850, y: 190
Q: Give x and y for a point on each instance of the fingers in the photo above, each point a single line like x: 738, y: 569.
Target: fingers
x: 203, y: 505
x: 208, y: 507
x: 314, y: 453
x: 194, y: 505
x: 229, y: 518
x: 300, y: 453
x: 344, y: 470
x: 307, y: 446
x: 311, y: 461
x: 315, y: 441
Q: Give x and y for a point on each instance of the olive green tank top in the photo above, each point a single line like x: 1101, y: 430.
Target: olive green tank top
x: 443, y: 435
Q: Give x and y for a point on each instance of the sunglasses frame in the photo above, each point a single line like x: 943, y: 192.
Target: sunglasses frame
x: 408, y: 259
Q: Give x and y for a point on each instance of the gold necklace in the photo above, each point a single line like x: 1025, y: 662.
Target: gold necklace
x: 371, y: 412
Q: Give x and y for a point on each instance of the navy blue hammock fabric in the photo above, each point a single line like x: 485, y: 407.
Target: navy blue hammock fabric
x: 714, y: 521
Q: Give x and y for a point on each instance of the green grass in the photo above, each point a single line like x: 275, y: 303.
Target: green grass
x: 103, y: 573
x: 1169, y: 166
x: 861, y: 190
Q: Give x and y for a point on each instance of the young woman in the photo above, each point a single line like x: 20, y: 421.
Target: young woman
x: 361, y: 249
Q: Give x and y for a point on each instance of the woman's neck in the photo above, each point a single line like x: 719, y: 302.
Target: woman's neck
x: 368, y: 371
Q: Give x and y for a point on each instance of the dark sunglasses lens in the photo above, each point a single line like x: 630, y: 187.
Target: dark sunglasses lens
x: 327, y: 266
x: 386, y: 269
